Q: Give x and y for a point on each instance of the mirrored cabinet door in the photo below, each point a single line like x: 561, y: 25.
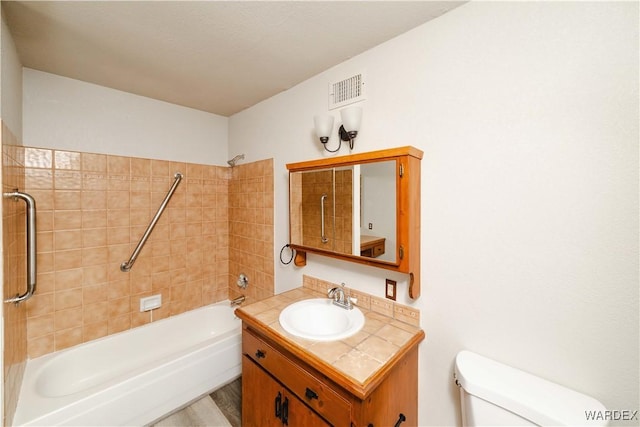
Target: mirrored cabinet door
x: 327, y: 205
x: 378, y: 206
x: 363, y: 208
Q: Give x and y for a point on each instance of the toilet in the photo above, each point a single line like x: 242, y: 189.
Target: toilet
x: 493, y: 394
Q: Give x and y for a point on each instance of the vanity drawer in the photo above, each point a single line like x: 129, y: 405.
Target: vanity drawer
x: 311, y: 390
x: 378, y: 250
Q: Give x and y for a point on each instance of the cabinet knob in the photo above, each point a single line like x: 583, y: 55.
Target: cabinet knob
x: 260, y: 354
x: 310, y: 394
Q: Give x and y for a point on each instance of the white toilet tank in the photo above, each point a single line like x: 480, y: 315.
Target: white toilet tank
x: 493, y: 394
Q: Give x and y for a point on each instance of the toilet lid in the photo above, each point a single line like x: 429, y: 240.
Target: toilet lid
x: 538, y: 400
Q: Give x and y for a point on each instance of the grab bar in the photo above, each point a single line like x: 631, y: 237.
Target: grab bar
x: 31, y: 245
x: 322, y: 235
x: 126, y: 266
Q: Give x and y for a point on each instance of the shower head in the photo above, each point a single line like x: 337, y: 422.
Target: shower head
x: 233, y: 161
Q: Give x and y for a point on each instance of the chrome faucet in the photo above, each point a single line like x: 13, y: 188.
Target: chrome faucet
x: 238, y: 301
x: 339, y: 297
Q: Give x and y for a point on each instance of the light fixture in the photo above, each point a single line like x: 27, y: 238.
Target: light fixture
x: 348, y: 130
x: 324, y: 127
x: 350, y: 124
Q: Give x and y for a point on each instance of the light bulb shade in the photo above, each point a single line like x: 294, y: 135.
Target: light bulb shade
x: 351, y: 118
x: 324, y: 126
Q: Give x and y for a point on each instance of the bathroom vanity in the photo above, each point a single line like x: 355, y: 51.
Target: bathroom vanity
x: 369, y: 379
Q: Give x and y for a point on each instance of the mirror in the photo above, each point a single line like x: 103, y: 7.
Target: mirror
x: 378, y: 222
x: 363, y: 208
x: 327, y: 205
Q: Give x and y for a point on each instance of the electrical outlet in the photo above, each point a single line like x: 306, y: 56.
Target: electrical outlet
x: 390, y: 289
x: 370, y: 226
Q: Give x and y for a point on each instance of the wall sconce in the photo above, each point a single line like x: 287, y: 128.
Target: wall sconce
x: 324, y: 127
x: 348, y: 131
x: 351, y: 118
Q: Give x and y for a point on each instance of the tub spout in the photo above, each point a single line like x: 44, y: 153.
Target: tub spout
x: 238, y: 301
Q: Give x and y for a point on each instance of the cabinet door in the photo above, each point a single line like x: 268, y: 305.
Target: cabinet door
x: 259, y: 394
x: 265, y: 402
x: 297, y: 414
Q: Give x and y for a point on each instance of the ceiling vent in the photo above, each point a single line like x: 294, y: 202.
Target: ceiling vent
x: 347, y: 91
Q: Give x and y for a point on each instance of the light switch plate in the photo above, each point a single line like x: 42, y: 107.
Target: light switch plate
x: 390, y: 289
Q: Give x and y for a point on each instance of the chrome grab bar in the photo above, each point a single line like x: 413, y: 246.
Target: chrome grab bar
x: 31, y: 245
x: 126, y: 266
x: 322, y: 235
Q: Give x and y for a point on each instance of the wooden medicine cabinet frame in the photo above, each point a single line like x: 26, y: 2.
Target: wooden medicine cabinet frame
x: 407, y: 250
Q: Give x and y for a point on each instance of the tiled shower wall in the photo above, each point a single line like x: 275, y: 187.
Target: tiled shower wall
x: 14, y: 274
x: 251, y: 229
x: 92, y: 211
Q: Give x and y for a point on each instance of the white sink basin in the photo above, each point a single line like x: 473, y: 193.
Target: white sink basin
x: 320, y: 320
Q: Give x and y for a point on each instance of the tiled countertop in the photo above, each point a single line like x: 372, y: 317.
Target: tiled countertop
x: 359, y: 357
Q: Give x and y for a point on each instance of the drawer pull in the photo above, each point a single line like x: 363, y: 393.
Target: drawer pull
x: 285, y: 411
x: 401, y: 418
x: 278, y: 403
x: 310, y: 394
x: 260, y: 354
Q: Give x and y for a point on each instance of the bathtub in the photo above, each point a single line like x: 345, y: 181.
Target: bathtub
x: 133, y: 377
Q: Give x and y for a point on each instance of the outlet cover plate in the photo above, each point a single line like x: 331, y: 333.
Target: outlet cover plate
x: 390, y: 289
x: 150, y: 303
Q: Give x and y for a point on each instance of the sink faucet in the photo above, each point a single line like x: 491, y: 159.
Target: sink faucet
x: 339, y: 297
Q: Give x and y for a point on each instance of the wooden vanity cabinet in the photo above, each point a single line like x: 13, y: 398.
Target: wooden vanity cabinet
x: 272, y: 375
x: 269, y: 403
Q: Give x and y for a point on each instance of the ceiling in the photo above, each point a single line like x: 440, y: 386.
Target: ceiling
x: 216, y: 56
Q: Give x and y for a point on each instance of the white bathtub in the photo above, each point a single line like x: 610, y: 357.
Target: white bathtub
x: 134, y: 377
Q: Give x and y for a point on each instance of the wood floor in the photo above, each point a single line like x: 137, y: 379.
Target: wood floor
x: 229, y: 400
x: 220, y: 408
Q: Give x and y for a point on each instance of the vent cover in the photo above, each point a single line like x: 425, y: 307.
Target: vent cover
x: 346, y: 91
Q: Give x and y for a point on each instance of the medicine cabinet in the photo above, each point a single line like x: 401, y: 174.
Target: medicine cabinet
x: 363, y: 208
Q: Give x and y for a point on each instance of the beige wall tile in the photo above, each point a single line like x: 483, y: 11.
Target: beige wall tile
x: 99, y: 209
x: 118, y: 165
x: 94, y: 218
x: 68, y: 239
x: 93, y: 162
x: 39, y: 326
x: 67, y: 338
x: 92, y: 200
x: 67, y: 160
x: 67, y: 259
x: 38, y: 158
x: 68, y: 279
x: 67, y: 220
x: 68, y: 299
x: 70, y: 318
x: 67, y: 180
x: 67, y: 200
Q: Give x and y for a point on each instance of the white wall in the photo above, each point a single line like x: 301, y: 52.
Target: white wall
x: 528, y: 116
x: 68, y: 114
x: 11, y: 87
